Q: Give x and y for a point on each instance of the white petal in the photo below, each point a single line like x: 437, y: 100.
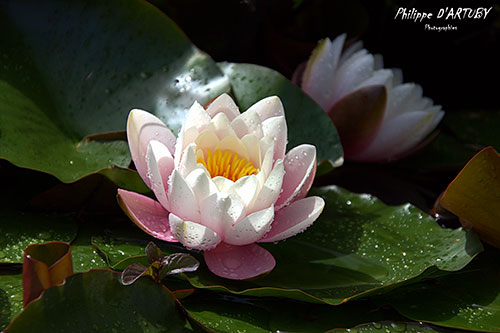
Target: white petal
x: 197, y: 117
x: 267, y: 160
x: 268, y: 107
x: 207, y: 140
x: 245, y: 189
x: 186, y: 137
x: 232, y: 143
x: 182, y: 199
x: 220, y: 211
x: 201, y: 184
x: 222, y: 183
x: 247, y: 123
x: 269, y: 193
x: 252, y: 145
x: 222, y: 126
x: 224, y: 104
x: 251, y: 228
x: 160, y: 166
x: 193, y: 235
x: 188, y: 161
x: 295, y: 218
x: 275, y: 127
x: 318, y: 77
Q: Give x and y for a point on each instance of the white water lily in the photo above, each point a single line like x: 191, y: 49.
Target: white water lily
x: 223, y: 184
x: 379, y: 118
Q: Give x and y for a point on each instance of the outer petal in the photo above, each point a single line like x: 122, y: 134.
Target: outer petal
x: 295, y: 218
x: 399, y: 134
x: 318, y: 77
x: 160, y: 166
x: 251, y: 228
x: 182, y: 199
x: 300, y: 168
x: 193, y: 235
x: 275, y: 127
x: 268, y: 107
x: 143, y: 127
x: 148, y: 214
x: 269, y: 193
x: 224, y: 104
x: 220, y: 211
x: 239, y: 262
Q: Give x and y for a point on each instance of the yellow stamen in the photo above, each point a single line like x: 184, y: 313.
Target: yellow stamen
x: 227, y: 164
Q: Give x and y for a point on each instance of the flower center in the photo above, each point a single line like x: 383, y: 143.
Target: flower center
x: 227, y: 164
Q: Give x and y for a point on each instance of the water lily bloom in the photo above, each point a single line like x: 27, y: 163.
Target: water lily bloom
x: 379, y: 119
x: 223, y: 184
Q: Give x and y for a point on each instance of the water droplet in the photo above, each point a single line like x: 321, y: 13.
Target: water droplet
x: 71, y: 162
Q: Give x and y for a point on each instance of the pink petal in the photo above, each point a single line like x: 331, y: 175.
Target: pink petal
x: 147, y: 213
x: 224, y: 104
x: 300, y: 168
x: 142, y: 127
x: 294, y: 219
x: 239, y: 262
x: 247, y: 123
x: 268, y: 107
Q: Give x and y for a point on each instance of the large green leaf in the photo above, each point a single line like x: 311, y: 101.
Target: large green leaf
x: 97, y: 301
x: 11, y: 297
x: 70, y: 69
x: 224, y: 313
x: 306, y: 122
x: 469, y: 299
x: 357, y: 247
x: 18, y: 230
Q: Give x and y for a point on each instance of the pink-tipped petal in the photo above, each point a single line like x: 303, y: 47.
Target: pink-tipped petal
x: 147, y: 213
x: 224, y: 104
x: 271, y: 190
x: 300, y: 168
x: 275, y: 127
x: 268, y: 107
x: 247, y: 123
x: 251, y: 228
x: 193, y: 235
x: 239, y: 262
x: 294, y: 219
x: 142, y: 127
x: 182, y: 199
x: 160, y: 166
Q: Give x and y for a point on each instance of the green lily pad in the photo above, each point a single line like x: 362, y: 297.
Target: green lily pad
x: 18, y: 230
x: 11, y: 297
x: 97, y: 301
x: 306, y: 121
x: 224, y: 313
x: 391, y: 327
x: 468, y: 299
x: 357, y: 247
x: 63, y: 79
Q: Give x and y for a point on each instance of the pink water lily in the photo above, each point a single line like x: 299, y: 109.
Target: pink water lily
x: 379, y: 118
x: 223, y: 184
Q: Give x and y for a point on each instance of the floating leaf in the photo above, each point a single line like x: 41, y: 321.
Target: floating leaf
x: 468, y: 299
x: 474, y: 196
x: 96, y: 301
x: 62, y: 80
x: 11, y: 297
x: 358, y: 246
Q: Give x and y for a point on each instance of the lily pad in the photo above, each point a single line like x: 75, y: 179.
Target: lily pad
x: 357, y: 247
x: 225, y: 313
x: 468, y: 299
x: 18, y: 230
x: 11, y: 297
x: 96, y: 300
x: 306, y: 121
x: 62, y: 80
